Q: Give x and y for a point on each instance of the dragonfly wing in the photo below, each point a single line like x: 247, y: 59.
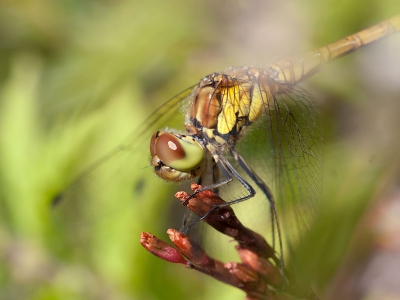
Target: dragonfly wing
x: 111, y: 184
x: 284, y: 148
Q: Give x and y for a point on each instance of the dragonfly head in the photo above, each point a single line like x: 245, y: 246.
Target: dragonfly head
x: 176, y: 157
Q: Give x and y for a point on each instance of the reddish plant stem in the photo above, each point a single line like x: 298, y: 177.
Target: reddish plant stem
x: 254, y: 275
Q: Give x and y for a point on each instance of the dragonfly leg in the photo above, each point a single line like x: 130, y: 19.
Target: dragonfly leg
x: 267, y: 191
x: 228, y: 178
x: 228, y: 172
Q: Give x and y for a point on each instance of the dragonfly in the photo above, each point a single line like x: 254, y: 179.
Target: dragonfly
x: 250, y: 128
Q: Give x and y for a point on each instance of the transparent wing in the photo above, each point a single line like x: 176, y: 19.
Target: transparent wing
x: 114, y: 182
x: 284, y: 148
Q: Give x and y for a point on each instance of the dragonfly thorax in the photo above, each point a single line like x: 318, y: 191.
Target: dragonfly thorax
x: 224, y: 104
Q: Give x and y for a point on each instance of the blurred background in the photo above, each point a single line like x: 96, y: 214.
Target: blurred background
x: 77, y: 77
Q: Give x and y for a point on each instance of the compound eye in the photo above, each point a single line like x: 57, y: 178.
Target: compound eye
x: 183, y: 154
x: 153, y: 140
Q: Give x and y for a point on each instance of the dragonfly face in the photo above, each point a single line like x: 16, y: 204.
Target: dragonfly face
x: 176, y: 157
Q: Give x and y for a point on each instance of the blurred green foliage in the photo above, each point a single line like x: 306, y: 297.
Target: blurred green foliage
x: 77, y: 76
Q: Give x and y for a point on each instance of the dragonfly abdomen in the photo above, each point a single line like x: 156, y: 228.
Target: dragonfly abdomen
x: 297, y: 68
